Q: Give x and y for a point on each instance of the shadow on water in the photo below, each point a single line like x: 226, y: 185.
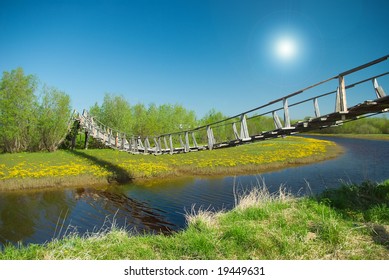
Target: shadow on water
x: 120, y: 175
x: 127, y: 211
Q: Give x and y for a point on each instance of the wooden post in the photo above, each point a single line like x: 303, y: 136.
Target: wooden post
x: 109, y: 136
x: 147, y: 145
x: 244, y: 132
x: 171, y: 144
x: 276, y: 120
x: 237, y: 137
x: 157, y: 146
x: 379, y: 91
x: 187, y: 146
x: 211, y: 139
x: 337, y: 104
x: 316, y: 105
x: 160, y: 144
x: 140, y: 144
x: 181, y: 142
x: 194, y: 140
x: 341, y: 103
x: 117, y: 140
x: 286, y: 113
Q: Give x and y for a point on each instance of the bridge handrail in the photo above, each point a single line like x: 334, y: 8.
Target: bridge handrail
x: 294, y: 94
x: 341, y: 106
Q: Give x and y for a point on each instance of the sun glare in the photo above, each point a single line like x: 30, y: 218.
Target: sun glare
x: 286, y: 48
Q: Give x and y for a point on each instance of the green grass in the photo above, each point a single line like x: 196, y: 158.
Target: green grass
x: 367, y: 202
x: 384, y: 137
x: 261, y: 226
x: 102, y: 166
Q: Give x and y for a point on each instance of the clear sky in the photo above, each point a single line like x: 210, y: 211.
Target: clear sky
x: 231, y: 55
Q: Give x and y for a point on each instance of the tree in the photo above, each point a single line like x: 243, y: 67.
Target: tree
x: 18, y: 107
x: 54, y: 113
x: 221, y: 132
x: 140, y: 120
x: 139, y: 113
x: 115, y: 112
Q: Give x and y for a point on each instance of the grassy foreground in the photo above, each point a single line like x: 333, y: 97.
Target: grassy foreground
x: 74, y: 168
x: 349, y: 223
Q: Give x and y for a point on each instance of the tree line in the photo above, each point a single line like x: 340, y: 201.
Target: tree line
x: 117, y: 113
x: 152, y: 120
x: 362, y: 126
x: 140, y: 120
x: 31, y: 118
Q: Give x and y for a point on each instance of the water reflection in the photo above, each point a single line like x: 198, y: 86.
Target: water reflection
x: 134, y: 214
x: 22, y: 215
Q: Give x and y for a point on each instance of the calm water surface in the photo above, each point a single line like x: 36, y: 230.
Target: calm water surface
x: 39, y: 216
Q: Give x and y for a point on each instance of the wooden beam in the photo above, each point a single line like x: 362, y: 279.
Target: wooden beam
x: 187, y: 146
x: 341, y: 103
x: 286, y: 113
x: 244, y: 132
x: 379, y: 91
x: 171, y: 144
x: 236, y: 134
x: 211, y: 139
x: 276, y: 119
x: 194, y: 140
x: 316, y: 105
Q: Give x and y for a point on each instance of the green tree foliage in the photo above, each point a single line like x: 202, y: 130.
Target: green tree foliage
x: 26, y: 124
x: 258, y: 124
x: 140, y: 116
x: 53, y: 118
x: 18, y: 105
x: 115, y: 112
x: 362, y: 126
x: 211, y: 117
x: 222, y: 131
x: 140, y: 120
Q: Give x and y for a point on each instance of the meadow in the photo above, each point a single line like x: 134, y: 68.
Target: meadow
x: 102, y: 166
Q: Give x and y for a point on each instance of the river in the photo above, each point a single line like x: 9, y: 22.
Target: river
x: 40, y: 216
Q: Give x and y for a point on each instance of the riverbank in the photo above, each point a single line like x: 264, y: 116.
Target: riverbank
x: 381, y: 137
x: 351, y: 222
x: 100, y: 167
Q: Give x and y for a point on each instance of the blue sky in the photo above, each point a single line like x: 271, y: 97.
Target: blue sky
x: 200, y: 54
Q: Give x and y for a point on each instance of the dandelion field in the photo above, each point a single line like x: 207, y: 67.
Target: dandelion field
x: 106, y: 165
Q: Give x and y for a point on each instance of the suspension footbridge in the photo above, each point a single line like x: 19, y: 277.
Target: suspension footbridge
x: 365, y: 94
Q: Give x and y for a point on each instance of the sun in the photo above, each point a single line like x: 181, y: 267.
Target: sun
x: 286, y: 48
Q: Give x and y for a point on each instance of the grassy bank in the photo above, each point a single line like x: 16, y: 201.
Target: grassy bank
x: 349, y: 223
x: 382, y: 137
x: 93, y: 167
